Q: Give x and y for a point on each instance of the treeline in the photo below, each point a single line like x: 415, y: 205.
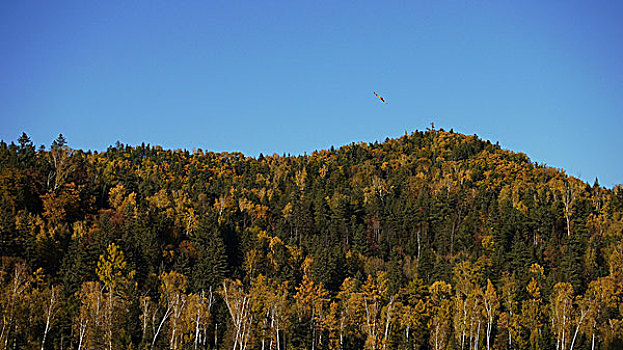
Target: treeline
x: 435, y: 240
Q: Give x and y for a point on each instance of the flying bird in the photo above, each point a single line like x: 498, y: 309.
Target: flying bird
x: 380, y: 98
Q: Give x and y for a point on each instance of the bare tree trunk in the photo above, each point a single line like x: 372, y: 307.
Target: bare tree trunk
x: 437, y: 337
x: 48, y: 315
x: 510, y: 334
x: 145, y: 302
x: 164, y: 318
x: 82, y: 332
x: 564, y: 324
x: 197, y: 320
x: 109, y: 325
x: 418, y: 243
x: 489, y: 325
x: 464, y: 324
x: 45, y: 332
x: 16, y: 288
x: 216, y: 336
x: 577, y: 328
x: 387, y: 321
x: 471, y: 333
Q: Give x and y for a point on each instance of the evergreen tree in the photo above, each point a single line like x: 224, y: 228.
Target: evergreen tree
x: 211, y: 261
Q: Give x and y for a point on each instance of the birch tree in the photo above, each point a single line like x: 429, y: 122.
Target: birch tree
x: 439, y: 306
x: 89, y: 323
x: 491, y: 305
x: 561, y: 308
x: 113, y: 271
x: 50, y: 305
x: 237, y: 300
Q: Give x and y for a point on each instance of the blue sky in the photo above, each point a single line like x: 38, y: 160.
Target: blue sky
x: 540, y: 77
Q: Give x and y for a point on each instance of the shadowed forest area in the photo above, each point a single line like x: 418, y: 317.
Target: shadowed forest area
x: 434, y: 240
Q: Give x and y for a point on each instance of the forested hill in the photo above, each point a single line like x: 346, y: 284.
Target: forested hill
x: 434, y: 240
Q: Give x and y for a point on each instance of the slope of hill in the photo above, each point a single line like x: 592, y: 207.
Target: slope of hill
x: 429, y: 241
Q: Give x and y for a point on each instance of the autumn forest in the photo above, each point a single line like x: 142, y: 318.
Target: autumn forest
x: 434, y: 240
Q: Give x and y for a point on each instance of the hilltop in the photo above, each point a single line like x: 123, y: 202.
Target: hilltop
x: 431, y: 221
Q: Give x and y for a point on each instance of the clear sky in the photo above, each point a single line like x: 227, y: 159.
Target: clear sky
x: 540, y: 77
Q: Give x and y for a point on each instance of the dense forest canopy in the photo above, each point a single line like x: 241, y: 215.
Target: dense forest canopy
x: 434, y: 240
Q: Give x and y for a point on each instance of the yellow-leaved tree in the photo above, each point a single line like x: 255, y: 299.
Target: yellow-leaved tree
x: 561, y: 309
x: 491, y: 305
x: 118, y: 280
x: 310, y: 301
x: 439, y: 307
x: 532, y: 309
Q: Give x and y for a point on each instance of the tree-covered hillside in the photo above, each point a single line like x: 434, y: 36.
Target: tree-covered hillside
x: 435, y: 240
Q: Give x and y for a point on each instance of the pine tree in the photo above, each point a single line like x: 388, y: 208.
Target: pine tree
x: 211, y: 263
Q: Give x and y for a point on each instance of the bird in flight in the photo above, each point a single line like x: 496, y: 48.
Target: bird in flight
x: 380, y: 98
